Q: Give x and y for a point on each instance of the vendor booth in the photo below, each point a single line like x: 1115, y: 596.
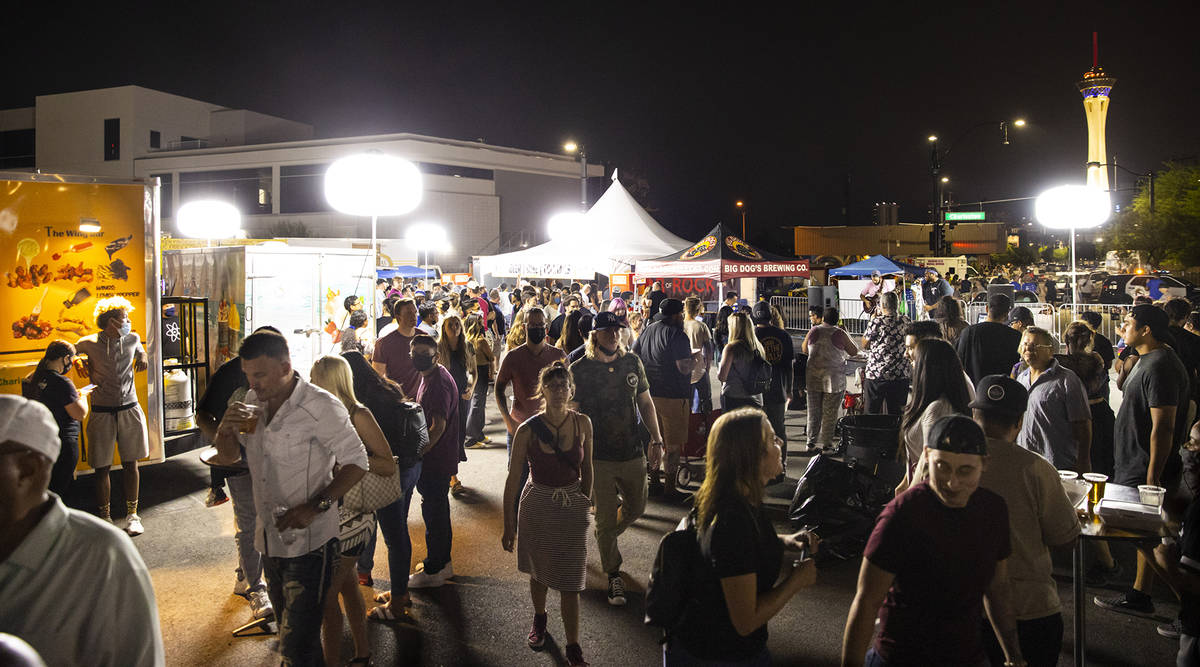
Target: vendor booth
x: 67, y: 242
x: 852, y: 278
x: 610, y: 238
x: 718, y: 257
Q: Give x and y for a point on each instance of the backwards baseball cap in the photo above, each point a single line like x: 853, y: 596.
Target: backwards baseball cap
x: 957, y: 434
x: 29, y: 424
x: 670, y: 307
x: 876, y: 274
x: 1153, y: 317
x: 606, y: 320
x: 761, y: 313
x: 1020, y: 314
x: 1001, y: 394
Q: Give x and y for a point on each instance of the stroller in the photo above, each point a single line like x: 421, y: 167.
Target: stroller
x: 691, y: 457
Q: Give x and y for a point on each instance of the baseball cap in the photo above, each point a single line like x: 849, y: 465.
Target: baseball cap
x: 1000, y: 302
x: 876, y: 274
x: 29, y: 424
x: 1002, y: 394
x: 1020, y: 314
x: 958, y: 434
x: 670, y: 307
x: 606, y: 320
x: 761, y: 313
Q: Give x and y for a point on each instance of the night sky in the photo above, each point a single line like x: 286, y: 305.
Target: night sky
x: 705, y: 103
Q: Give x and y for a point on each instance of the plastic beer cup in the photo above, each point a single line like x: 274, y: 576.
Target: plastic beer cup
x: 1097, y: 481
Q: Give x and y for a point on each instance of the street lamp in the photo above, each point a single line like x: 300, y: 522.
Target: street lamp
x: 373, y: 184
x: 209, y: 219
x: 742, y: 207
x: 937, y: 241
x: 427, y: 236
x: 1073, y: 207
x: 573, y: 147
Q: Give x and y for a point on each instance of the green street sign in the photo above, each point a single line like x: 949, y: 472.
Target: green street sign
x: 960, y: 216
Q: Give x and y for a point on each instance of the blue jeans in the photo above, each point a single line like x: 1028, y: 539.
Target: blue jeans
x: 297, y: 588
x: 675, y: 655
x: 435, y: 509
x: 477, y: 411
x: 250, y: 562
x: 393, y: 523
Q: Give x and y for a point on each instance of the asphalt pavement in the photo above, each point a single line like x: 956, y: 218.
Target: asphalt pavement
x: 482, y: 616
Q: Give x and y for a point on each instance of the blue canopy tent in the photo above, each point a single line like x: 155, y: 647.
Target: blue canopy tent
x: 406, y: 272
x: 878, y: 263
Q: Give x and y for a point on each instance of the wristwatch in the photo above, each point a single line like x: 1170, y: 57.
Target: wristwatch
x: 322, y: 503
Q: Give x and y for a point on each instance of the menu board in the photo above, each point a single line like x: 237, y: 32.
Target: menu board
x: 55, y: 269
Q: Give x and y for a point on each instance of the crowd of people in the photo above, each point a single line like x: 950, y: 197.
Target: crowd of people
x: 595, y: 392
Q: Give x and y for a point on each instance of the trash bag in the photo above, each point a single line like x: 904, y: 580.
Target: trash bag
x: 868, y: 439
x: 798, y: 399
x: 840, y: 502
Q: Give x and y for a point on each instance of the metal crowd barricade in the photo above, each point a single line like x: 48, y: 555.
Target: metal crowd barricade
x: 1111, y: 317
x: 795, y: 311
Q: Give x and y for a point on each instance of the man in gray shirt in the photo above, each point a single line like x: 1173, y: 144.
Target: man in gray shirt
x: 113, y: 355
x: 1058, y: 421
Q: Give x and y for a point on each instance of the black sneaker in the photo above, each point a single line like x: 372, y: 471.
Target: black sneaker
x: 1122, y: 604
x: 1099, y: 576
x: 616, y: 590
x: 1171, y: 630
x: 656, y: 487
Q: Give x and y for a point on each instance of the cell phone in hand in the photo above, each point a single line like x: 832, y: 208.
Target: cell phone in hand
x: 88, y: 388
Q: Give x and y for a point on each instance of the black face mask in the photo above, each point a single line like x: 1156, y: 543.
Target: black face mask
x: 608, y: 351
x: 536, y: 335
x: 422, y: 362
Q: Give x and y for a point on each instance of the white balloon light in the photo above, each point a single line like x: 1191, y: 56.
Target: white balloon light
x: 373, y: 184
x: 569, y: 226
x: 208, y: 219
x: 1073, y: 207
x: 427, y: 236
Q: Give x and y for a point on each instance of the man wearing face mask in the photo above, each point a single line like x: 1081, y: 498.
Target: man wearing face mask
x: 438, y: 396
x: 113, y: 355
x: 48, y: 385
x: 611, y: 389
x: 521, y: 368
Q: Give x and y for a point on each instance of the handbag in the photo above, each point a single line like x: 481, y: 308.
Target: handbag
x: 374, y: 491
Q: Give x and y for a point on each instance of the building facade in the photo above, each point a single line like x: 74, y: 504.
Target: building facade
x: 489, y: 198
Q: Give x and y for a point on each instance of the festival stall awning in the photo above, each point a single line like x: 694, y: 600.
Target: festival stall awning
x: 722, y: 255
x: 615, y: 233
x: 405, y: 272
x: 880, y: 263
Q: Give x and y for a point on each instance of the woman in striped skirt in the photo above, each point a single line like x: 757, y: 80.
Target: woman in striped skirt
x: 552, y: 522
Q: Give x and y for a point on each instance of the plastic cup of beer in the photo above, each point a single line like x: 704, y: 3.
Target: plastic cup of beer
x: 1151, y: 495
x: 1067, y: 475
x: 1097, y: 481
x: 250, y: 424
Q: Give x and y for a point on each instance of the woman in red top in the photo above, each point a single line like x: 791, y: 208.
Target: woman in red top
x: 553, y: 518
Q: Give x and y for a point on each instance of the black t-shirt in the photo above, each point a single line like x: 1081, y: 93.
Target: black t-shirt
x: 656, y: 299
x: 1102, y: 346
x: 660, y: 345
x: 1189, y: 560
x: 988, y: 348
x: 722, y: 329
x: 739, y: 541
x: 381, y: 322
x: 1187, y: 345
x: 1158, y: 380
x: 777, y: 345
x: 56, y: 392
x: 221, y: 387
x: 556, y: 327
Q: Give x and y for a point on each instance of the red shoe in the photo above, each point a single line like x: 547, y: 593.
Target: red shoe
x: 537, y: 634
x: 364, y: 579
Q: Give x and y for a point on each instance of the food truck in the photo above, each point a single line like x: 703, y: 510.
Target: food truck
x: 65, y: 243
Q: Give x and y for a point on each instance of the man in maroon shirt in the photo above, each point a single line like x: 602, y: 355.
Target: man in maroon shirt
x: 937, y: 559
x: 438, y: 396
x: 392, y: 357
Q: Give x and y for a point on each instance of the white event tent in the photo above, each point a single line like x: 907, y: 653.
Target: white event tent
x: 610, y: 238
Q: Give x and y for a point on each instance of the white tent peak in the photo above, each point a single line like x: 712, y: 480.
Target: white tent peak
x: 614, y: 176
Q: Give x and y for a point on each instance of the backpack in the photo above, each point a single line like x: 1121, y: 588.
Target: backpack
x: 675, y: 565
x: 758, y: 380
x: 414, y: 434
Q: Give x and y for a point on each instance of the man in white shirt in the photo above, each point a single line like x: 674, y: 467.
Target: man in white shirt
x: 294, y: 434
x: 50, y: 554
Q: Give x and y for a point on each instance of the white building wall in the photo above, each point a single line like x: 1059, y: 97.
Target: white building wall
x: 70, y: 132
x: 17, y: 119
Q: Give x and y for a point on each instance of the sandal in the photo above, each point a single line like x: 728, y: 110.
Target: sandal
x: 386, y: 597
x: 385, y: 614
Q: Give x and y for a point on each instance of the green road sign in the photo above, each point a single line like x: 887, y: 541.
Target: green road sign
x: 960, y: 216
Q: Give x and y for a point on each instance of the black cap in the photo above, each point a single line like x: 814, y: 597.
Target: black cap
x: 670, y: 307
x: 1001, y: 394
x: 761, y: 313
x: 1000, y: 302
x: 1151, y: 316
x: 1020, y: 314
x: 606, y: 320
x: 958, y: 434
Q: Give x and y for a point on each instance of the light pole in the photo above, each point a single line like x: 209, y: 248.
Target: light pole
x: 741, y: 206
x: 1073, y: 207
x: 427, y: 237
x: 937, y: 238
x: 572, y: 147
x: 373, y: 184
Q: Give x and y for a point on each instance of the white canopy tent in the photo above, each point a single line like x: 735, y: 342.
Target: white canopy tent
x: 614, y: 233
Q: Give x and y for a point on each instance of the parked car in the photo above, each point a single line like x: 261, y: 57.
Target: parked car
x: 1124, y: 287
x: 1113, y: 289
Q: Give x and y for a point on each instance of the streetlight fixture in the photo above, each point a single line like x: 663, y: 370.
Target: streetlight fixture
x: 1073, y: 207
x: 373, y: 184
x: 427, y: 237
x: 937, y: 239
x: 741, y: 206
x: 573, y: 147
x: 209, y: 219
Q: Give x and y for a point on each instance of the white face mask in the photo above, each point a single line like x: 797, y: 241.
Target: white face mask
x: 126, y: 328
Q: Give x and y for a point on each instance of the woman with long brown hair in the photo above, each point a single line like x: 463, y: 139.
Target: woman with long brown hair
x: 485, y: 372
x: 740, y: 543
x: 949, y: 316
x: 458, y: 356
x: 939, y: 388
x: 552, y: 522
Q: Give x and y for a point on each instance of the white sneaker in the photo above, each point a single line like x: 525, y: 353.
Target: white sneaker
x: 241, y: 586
x: 134, y: 527
x: 422, y: 579
x: 260, y: 604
